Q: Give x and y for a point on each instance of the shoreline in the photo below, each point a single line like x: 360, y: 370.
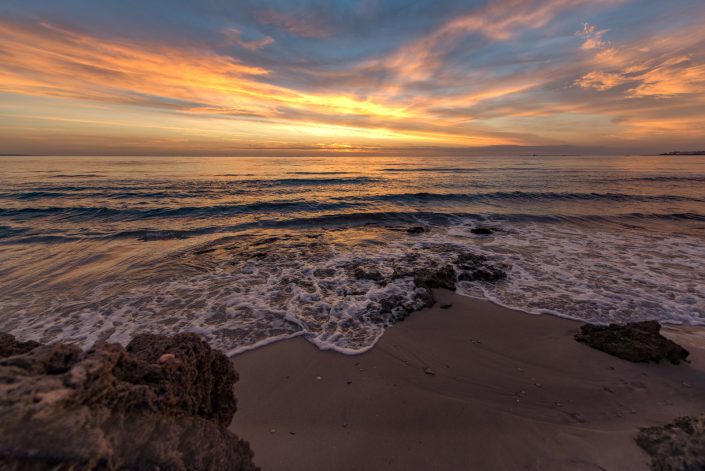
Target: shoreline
x: 475, y: 386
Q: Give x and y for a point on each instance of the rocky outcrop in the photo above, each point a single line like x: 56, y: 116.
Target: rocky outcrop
x: 636, y: 341
x: 678, y: 446
x: 161, y: 403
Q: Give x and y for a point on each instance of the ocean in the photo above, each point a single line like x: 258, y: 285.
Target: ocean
x: 247, y: 251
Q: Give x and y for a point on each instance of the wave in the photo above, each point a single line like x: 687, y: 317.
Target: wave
x: 131, y: 214
x: 433, y: 170
x: 76, y: 175
x: 317, y: 173
x: 520, y: 195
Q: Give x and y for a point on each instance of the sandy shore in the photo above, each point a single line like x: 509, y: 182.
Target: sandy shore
x: 475, y: 386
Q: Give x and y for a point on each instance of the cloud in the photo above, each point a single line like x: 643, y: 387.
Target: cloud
x: 666, y: 75
x: 497, y: 21
x: 601, y: 81
x: 233, y: 36
x: 343, y: 75
x: 593, y: 39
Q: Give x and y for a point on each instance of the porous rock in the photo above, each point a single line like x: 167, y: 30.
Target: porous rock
x: 678, y: 446
x: 636, y: 342
x: 116, y: 408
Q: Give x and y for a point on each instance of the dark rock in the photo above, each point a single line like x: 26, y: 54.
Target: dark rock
x: 162, y: 403
x: 482, y: 231
x: 678, y: 446
x: 446, y: 306
x: 635, y: 341
x: 203, y: 251
x: 441, y: 277
x: 10, y: 346
x: 416, y: 230
x: 478, y: 268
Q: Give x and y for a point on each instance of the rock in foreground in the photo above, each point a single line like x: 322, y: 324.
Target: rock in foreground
x: 678, y: 446
x: 161, y: 403
x: 638, y: 342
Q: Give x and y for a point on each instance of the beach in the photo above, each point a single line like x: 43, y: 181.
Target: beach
x: 471, y: 386
x: 318, y: 278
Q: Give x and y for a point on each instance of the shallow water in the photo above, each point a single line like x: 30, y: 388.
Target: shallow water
x: 246, y: 251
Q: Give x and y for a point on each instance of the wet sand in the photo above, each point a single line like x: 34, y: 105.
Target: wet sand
x: 475, y: 386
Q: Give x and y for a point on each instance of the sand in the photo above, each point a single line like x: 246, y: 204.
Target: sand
x: 472, y: 387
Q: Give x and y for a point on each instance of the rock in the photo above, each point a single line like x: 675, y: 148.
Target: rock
x: 416, y: 230
x: 482, y: 231
x: 446, y: 306
x: 429, y: 371
x: 441, y: 277
x: 478, y: 268
x: 116, y: 408
x: 679, y: 445
x: 635, y: 341
x: 10, y: 346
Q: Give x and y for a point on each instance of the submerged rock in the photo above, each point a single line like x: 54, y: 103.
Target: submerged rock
x: 678, y: 446
x: 161, y: 403
x: 635, y: 341
x: 416, y: 230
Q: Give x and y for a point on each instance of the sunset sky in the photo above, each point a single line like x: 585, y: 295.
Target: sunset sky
x: 248, y: 77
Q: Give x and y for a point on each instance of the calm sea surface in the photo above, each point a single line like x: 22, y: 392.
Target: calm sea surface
x: 249, y: 250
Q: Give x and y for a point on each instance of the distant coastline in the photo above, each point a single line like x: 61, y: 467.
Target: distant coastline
x: 687, y: 152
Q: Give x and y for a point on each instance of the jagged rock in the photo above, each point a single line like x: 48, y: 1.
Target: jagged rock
x: 161, y: 403
x: 678, y: 446
x: 635, y: 341
x: 10, y: 346
x: 478, y: 268
x: 482, y: 231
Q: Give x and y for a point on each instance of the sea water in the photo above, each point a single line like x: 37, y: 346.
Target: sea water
x: 246, y: 251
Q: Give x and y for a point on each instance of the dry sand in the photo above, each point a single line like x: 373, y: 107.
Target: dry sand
x: 507, y: 391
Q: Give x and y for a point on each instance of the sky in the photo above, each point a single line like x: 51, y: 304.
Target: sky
x: 305, y: 77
